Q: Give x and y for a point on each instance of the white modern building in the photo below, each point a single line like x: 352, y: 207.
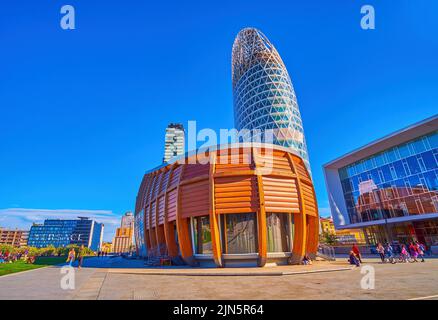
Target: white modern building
x: 174, y: 141
x: 389, y: 188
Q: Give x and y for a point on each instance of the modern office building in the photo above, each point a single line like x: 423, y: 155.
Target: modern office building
x: 127, y: 220
x: 174, y: 141
x: 61, y: 233
x: 124, y: 238
x: 122, y: 242
x: 16, y: 238
x: 389, y: 188
x: 228, y: 212
x: 263, y: 95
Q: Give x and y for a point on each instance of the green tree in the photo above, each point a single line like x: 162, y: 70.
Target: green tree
x: 329, y: 238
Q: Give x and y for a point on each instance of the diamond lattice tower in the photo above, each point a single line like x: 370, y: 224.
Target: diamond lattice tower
x: 264, y: 97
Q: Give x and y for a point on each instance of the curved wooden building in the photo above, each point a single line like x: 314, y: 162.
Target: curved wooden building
x: 246, y: 206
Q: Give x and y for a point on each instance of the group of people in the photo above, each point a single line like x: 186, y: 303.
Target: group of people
x: 412, y: 252
x: 72, y: 256
x: 9, y: 257
x: 102, y: 254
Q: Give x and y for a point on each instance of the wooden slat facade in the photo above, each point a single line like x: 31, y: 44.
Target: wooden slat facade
x: 251, y: 180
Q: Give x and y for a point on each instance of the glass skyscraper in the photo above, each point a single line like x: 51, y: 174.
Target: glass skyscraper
x: 174, y: 141
x: 61, y: 233
x: 264, y: 97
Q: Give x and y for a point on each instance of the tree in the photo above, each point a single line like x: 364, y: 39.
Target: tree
x: 329, y: 238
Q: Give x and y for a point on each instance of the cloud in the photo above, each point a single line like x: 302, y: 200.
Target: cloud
x: 22, y: 218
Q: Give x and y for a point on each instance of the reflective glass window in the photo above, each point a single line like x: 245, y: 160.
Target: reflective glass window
x: 429, y: 160
x: 404, y: 151
x: 414, y: 167
x: 433, y: 140
x: 419, y: 146
x: 202, y: 235
x: 239, y: 233
x: 279, y: 232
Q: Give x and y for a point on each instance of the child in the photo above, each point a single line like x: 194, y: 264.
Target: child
x: 404, y: 254
x: 71, y: 257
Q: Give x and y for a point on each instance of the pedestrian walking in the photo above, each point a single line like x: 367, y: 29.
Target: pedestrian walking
x: 413, y: 252
x: 71, y: 256
x: 381, y: 251
x: 404, y: 254
x: 390, y: 253
x: 420, y: 250
x: 80, y: 256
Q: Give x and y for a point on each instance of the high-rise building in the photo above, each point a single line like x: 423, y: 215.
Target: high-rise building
x: 124, y: 239
x: 122, y: 242
x: 174, y: 141
x: 16, y: 238
x: 263, y: 94
x: 389, y: 188
x: 128, y: 220
x: 61, y: 233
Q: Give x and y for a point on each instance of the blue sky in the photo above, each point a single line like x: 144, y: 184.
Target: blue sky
x: 83, y: 112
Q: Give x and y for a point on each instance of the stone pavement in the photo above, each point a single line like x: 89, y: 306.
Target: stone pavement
x: 117, y: 278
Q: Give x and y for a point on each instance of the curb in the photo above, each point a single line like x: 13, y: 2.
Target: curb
x: 234, y: 274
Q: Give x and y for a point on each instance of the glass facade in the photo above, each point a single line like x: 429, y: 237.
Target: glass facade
x: 202, y: 235
x: 397, y: 182
x: 96, y: 238
x: 60, y: 233
x: 139, y: 233
x: 263, y: 94
x: 239, y: 233
x: 280, y: 230
x: 425, y: 231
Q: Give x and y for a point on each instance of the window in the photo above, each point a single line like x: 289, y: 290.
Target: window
x: 202, y: 235
x: 279, y: 232
x: 239, y: 233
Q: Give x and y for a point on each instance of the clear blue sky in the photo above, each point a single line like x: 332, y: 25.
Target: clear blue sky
x: 83, y: 112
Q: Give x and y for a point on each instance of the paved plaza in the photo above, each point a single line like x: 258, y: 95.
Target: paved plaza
x: 117, y: 278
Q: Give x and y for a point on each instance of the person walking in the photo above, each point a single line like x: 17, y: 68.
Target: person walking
x: 420, y: 249
x: 404, y: 254
x: 71, y: 257
x: 390, y: 253
x: 413, y: 252
x: 381, y: 251
x: 356, y: 251
x: 80, y: 256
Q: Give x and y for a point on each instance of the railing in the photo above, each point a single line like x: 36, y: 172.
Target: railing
x: 156, y: 254
x: 326, y: 252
